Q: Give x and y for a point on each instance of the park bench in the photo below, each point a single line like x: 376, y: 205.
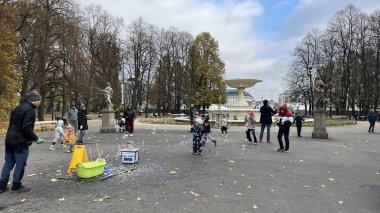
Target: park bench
x: 44, y: 124
x: 178, y: 115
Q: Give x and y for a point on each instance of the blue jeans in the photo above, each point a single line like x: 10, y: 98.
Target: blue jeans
x: 14, y: 155
x: 262, y: 131
x: 81, y: 135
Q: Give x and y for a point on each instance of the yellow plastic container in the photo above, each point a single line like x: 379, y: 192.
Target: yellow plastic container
x: 91, y: 169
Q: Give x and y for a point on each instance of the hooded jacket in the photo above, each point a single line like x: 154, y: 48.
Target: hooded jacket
x: 58, y: 131
x: 285, y: 119
x: 21, y: 125
x: 250, y: 124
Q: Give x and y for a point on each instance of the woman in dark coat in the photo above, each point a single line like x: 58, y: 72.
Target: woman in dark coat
x: 82, y: 123
x: 298, y: 120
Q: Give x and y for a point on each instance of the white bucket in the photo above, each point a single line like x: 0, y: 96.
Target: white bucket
x: 130, y: 155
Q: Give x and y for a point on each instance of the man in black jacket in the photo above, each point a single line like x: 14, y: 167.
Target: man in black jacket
x: 20, y: 136
x: 266, y: 120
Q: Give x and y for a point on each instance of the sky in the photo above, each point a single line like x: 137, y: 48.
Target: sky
x: 256, y: 37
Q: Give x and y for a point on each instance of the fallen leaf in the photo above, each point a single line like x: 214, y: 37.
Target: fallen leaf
x: 173, y: 172
x: 331, y: 179
x: 216, y: 195
x: 249, y: 186
x: 301, y: 161
x: 156, y: 203
x: 254, y: 206
x: 138, y: 199
x: 323, y: 185
x: 23, y: 200
x: 61, y: 199
x: 340, y: 202
x: 53, y: 180
x: 121, y: 199
x: 231, y: 161
x: 239, y: 193
x: 101, y: 199
x: 31, y: 175
x: 193, y: 193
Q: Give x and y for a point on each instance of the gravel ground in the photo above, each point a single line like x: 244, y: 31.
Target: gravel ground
x: 340, y: 174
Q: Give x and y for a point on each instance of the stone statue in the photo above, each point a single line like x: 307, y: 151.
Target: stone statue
x: 108, y: 91
x: 319, y: 90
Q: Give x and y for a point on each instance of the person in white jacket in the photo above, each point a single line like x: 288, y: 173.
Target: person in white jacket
x: 58, y: 135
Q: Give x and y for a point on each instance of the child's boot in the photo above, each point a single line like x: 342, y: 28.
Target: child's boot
x: 194, y: 151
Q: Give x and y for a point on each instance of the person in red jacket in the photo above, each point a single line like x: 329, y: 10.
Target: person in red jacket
x: 285, y: 120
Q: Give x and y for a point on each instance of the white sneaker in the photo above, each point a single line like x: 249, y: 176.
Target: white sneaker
x: 51, y: 147
x: 63, y: 146
x: 130, y: 135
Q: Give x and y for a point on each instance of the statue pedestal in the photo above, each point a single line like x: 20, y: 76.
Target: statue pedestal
x: 319, y: 130
x: 108, y: 121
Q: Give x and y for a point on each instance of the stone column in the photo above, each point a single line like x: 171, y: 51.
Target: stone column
x: 319, y: 130
x: 108, y: 121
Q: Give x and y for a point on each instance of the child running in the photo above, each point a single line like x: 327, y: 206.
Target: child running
x: 70, y: 139
x: 207, y: 131
x: 58, y: 135
x: 223, y: 124
x: 197, y: 136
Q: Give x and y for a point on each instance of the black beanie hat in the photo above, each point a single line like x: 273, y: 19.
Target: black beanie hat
x: 32, y: 96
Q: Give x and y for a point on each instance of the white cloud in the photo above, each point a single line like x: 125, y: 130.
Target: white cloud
x: 230, y: 22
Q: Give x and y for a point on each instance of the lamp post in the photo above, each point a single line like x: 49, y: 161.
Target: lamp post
x: 124, y: 90
x: 185, y: 101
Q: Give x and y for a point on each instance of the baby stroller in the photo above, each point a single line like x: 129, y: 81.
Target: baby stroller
x: 121, y: 123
